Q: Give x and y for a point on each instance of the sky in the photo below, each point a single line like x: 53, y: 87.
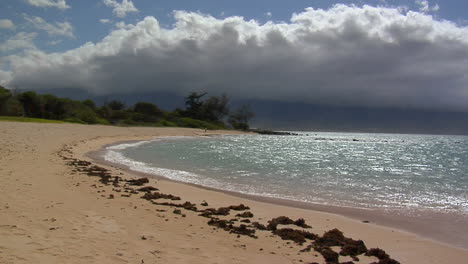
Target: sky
x: 377, y: 53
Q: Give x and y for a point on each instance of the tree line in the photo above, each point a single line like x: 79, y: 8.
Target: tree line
x: 201, y: 111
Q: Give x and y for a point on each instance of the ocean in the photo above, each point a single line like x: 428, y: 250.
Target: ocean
x: 392, y: 172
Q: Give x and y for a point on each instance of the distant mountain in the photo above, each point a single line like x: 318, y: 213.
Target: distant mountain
x: 301, y: 116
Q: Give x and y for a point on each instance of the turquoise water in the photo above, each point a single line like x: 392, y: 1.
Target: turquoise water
x: 388, y: 171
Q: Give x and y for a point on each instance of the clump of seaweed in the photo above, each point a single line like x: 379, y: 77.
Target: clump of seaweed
x: 212, y: 211
x: 157, y: 195
x: 349, y: 247
x: 378, y: 253
x: 297, y: 236
x: 138, y: 182
x: 219, y: 223
x: 383, y: 257
x: 243, y: 230
x: 187, y: 205
x: 284, y: 220
x: 331, y: 238
x: 259, y: 226
x: 301, y: 223
x: 388, y: 261
x: 147, y: 189
x: 177, y: 211
x: 245, y: 215
x: 280, y: 220
x: 79, y: 163
x: 240, y: 207
x: 228, y: 226
x: 353, y: 248
x: 330, y: 256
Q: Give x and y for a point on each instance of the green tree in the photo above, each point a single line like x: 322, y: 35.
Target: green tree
x: 240, y: 118
x: 32, y: 104
x: 53, y: 107
x: 13, y: 107
x: 4, y: 96
x: 215, y: 108
x: 90, y: 104
x: 193, y: 104
x: 116, y: 105
x: 146, y: 112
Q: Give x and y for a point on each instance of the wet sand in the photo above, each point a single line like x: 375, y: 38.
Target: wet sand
x: 51, y: 211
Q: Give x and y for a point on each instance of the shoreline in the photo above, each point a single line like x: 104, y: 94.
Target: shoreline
x: 54, y: 210
x: 426, y: 227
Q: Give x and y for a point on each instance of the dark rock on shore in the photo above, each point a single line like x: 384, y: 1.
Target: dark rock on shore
x: 275, y: 133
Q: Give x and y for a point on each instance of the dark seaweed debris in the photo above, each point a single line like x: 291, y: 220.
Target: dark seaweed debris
x: 147, y: 189
x: 187, y: 205
x: 245, y: 215
x: 212, y: 211
x: 228, y: 226
x: 330, y: 256
x: 383, y: 257
x: 301, y: 223
x: 157, y: 195
x: 280, y: 220
x: 138, y: 182
x: 239, y: 207
x: 297, y: 236
x: 331, y: 238
x: 258, y: 226
x: 353, y: 248
x: 284, y: 220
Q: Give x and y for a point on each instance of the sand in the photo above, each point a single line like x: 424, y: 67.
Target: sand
x: 50, y: 213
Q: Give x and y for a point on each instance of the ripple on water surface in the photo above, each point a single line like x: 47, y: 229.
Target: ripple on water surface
x: 348, y: 169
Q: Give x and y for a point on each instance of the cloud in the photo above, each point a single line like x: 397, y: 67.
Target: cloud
x: 105, y: 21
x: 60, y: 4
x: 5, y: 77
x: 425, y: 8
x: 345, y: 55
x: 57, y: 29
x: 6, y: 24
x: 21, y: 40
x: 54, y: 42
x: 268, y: 14
x: 121, y: 9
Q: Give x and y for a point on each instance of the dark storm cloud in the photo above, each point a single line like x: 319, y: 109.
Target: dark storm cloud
x: 358, y: 56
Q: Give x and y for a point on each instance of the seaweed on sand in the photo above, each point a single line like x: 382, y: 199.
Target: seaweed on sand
x: 297, y: 236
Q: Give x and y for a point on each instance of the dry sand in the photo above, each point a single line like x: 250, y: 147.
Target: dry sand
x: 52, y: 214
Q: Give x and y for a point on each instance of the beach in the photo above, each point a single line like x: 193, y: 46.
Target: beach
x: 52, y: 211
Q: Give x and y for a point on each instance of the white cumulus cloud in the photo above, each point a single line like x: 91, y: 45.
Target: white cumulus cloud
x: 7, y: 24
x: 57, y: 29
x: 345, y: 55
x: 60, y: 4
x: 21, y: 40
x: 425, y: 7
x: 121, y: 9
x: 105, y: 21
